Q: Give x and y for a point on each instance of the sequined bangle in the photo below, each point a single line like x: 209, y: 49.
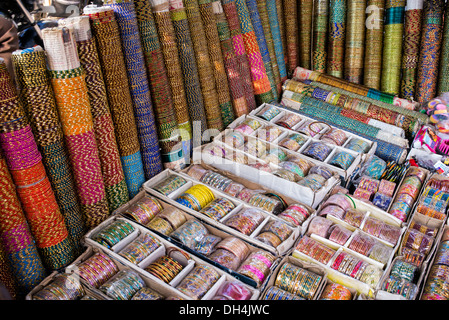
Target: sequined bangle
x: 147, y: 293
x: 64, y: 286
x: 317, y: 150
x: 341, y: 200
x: 321, y: 170
x: 418, y: 241
x: 314, y: 250
x: 113, y: 233
x: 266, y: 203
x: 206, y: 245
x: 289, y: 120
x: 335, y: 136
x: 362, y: 244
x: 295, y: 213
x: 358, y: 145
x: 197, y: 172
x: 319, y: 226
x: 354, y: 217
x: 225, y: 258
x: 174, y: 216
x: 144, y: 210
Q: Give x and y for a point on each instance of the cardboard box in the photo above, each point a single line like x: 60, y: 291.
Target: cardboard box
x: 240, y: 205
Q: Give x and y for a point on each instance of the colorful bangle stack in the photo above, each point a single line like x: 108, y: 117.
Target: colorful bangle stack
x: 234, y: 138
x: 332, y: 210
x: 113, y: 233
x: 362, y: 244
x: 246, y: 220
x: 298, y: 281
x: 335, y: 136
x: 293, y: 142
x: 339, y: 234
x: 190, y: 233
x: 197, y: 172
x: 198, y: 281
x: 147, y: 293
x: 317, y: 150
x: 165, y: 268
x: 139, y: 249
x: 319, y: 226
x: 123, y: 285
x: 289, y: 120
x: 233, y: 290
x: 97, y: 269
x: 382, y: 230
x: 256, y: 148
x: 230, y: 252
x: 339, y: 199
x: 417, y: 241
x: 358, y: 145
x: 144, y: 210
x: 428, y: 231
x: 170, y: 184
x: 267, y: 203
x: 275, y: 293
x: 315, y: 250
x: 404, y: 270
x: 257, y: 266
x: 248, y: 126
x: 196, y: 197
x: 268, y: 133
x: 174, y: 216
x: 215, y: 180
x: 354, y: 217
x: 218, y: 208
x: 295, y: 213
x: 382, y: 201
x: 269, y: 113
x: 401, y: 287
x: 323, y: 171
x: 357, y: 269
x: 207, y: 244
x: 63, y: 287
x: 275, y: 155
x: 412, y: 256
x: 336, y: 291
x: 160, y: 225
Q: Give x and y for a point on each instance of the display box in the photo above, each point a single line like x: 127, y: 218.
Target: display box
x: 239, y: 205
x: 267, y: 179
x: 122, y: 211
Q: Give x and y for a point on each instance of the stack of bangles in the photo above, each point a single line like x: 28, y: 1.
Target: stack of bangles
x: 417, y: 241
x: 335, y: 136
x: 317, y: 150
x: 357, y: 268
x: 315, y: 250
x: 218, y: 208
x: 147, y: 293
x: 198, y: 282
x: 230, y: 252
x: 113, y: 233
x: 295, y: 213
x: 289, y: 121
x: 440, y: 184
x: 275, y: 293
x: 246, y: 220
x: 190, y: 232
x: 274, y: 233
x: 293, y: 142
x: 165, y: 268
x: 170, y: 184
x: 382, y: 230
x: 257, y: 266
x: 248, y: 126
x: 139, y: 249
x: 354, y: 217
x: 196, y: 197
x: 269, y: 133
x: 362, y: 244
x: 144, y: 210
x: 401, y: 287
x: 319, y: 226
x: 336, y: 291
x: 269, y: 113
x: 358, y: 145
x: 339, y: 234
x: 298, y: 281
x: 234, y: 138
x: 63, y: 287
x: 404, y: 270
x: 268, y: 202
x: 97, y: 269
x: 123, y: 285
